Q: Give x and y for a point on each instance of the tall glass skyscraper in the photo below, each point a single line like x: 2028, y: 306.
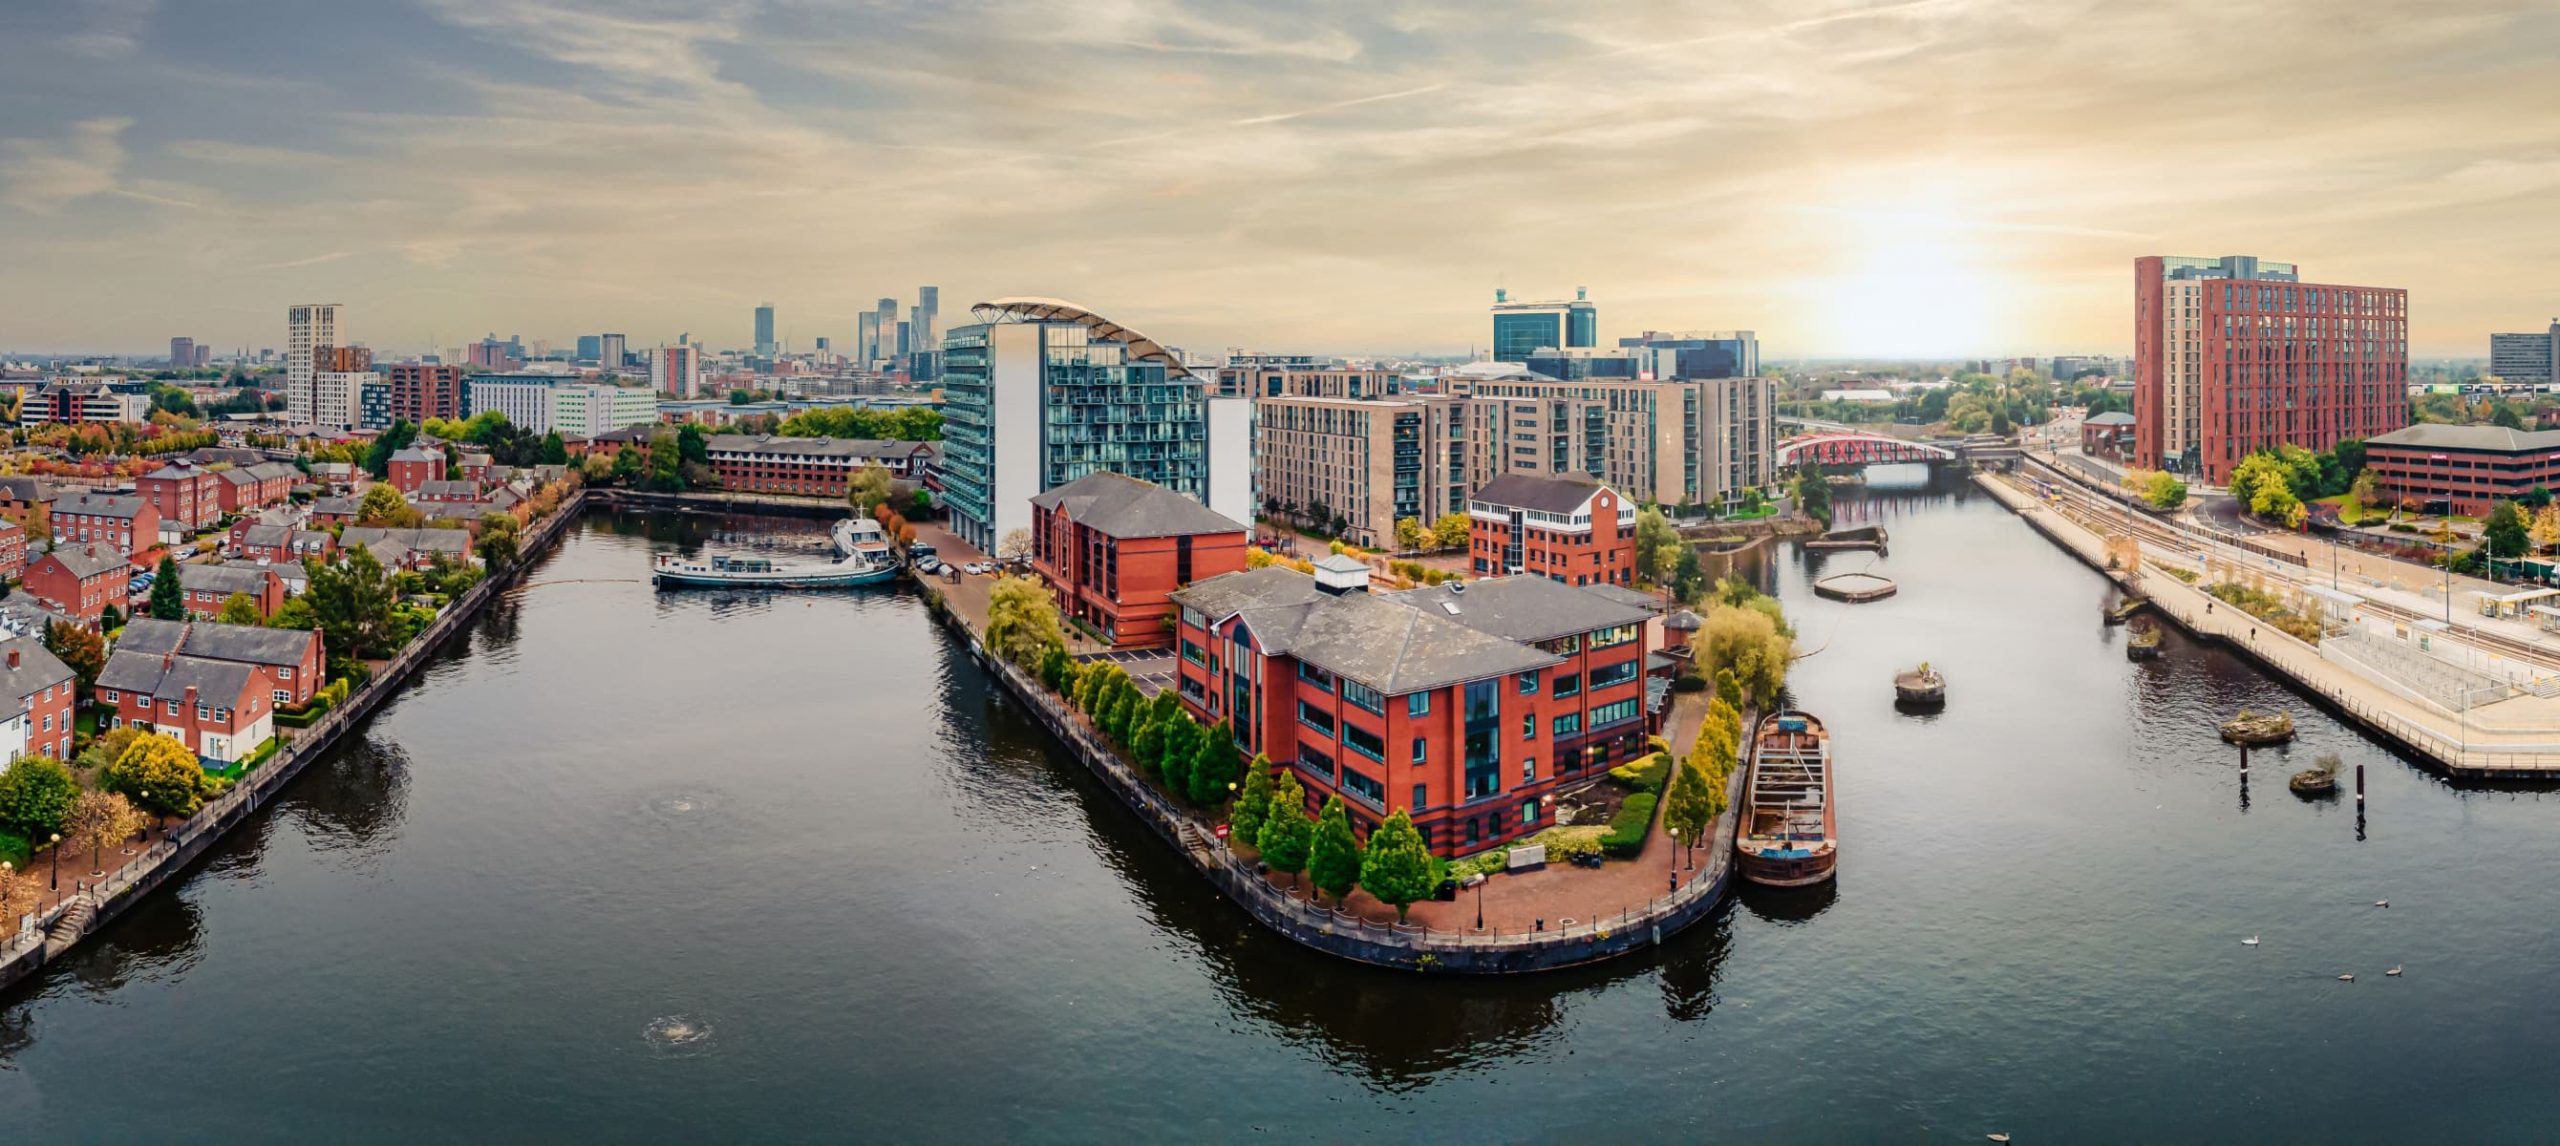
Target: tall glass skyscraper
x: 764, y: 330
x: 1520, y: 328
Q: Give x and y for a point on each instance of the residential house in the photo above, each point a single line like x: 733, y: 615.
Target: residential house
x: 290, y: 662
x: 414, y: 467
x: 249, y: 488
x: 407, y: 548
x: 340, y: 510
x: 80, y: 581
x: 27, y: 501
x: 1113, y: 547
x: 207, y: 587
x: 280, y: 544
x: 13, y: 550
x: 38, y: 694
x: 184, y: 494
x: 127, y: 522
x: 221, y: 710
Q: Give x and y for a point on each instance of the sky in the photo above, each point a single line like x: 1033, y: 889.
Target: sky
x: 1908, y: 177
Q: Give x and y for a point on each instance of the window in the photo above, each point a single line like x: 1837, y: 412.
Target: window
x: 1613, y: 712
x: 1619, y: 673
x: 1421, y: 749
x: 1315, y: 763
x: 1364, y: 789
x: 1364, y: 696
x: 204, y: 711
x: 1417, y: 704
x: 1528, y: 813
x: 1315, y: 718
x: 1568, y: 724
x: 1528, y: 769
x: 1612, y: 638
x: 1364, y: 742
x: 1528, y: 726
x: 1421, y: 796
x: 1191, y: 652
x: 173, y: 708
x: 1528, y: 684
x: 48, y: 724
x: 1315, y: 676
x: 280, y: 696
x: 1568, y: 684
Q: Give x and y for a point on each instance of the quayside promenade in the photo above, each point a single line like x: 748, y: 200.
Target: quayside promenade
x: 2517, y: 739
x: 1553, y: 917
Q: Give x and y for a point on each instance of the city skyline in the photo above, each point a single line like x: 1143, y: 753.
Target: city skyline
x: 1934, y: 178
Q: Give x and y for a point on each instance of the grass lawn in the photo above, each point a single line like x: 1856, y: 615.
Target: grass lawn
x: 14, y: 850
x: 2350, y: 511
x: 1766, y: 510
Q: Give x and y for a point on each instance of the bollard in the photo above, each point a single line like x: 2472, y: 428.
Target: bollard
x: 2359, y: 785
x: 2244, y: 759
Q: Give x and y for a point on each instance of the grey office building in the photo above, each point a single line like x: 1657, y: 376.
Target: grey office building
x: 2526, y: 357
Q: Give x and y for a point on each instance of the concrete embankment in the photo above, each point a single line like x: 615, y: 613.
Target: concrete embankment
x: 1402, y: 946
x: 57, y: 931
x: 2447, y: 744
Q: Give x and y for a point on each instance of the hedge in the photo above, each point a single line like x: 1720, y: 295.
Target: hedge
x: 1628, y: 829
x: 1647, y: 775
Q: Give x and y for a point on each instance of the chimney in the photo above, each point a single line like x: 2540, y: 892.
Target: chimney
x: 13, y: 658
x: 191, y: 696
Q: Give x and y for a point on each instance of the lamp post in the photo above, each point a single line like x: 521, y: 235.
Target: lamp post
x: 56, y: 844
x: 1480, y: 881
x: 2448, y: 534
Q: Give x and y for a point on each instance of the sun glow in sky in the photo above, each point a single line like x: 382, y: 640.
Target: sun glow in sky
x: 1846, y: 177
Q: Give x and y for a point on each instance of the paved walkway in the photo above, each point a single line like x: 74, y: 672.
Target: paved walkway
x: 967, y: 592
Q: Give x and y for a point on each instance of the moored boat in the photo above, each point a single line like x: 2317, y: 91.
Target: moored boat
x: 867, y: 560
x: 1786, y: 834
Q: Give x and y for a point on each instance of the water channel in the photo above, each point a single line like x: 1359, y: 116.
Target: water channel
x: 629, y: 864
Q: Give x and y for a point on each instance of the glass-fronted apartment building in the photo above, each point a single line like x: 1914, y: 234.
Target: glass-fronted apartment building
x: 1041, y: 396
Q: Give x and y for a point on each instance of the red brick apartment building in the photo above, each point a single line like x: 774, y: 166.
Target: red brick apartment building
x: 183, y: 492
x: 819, y: 466
x: 413, y: 467
x: 40, y: 692
x: 80, y: 581
x: 1563, y: 529
x: 1467, y: 704
x: 219, y: 709
x: 13, y: 550
x: 420, y: 392
x: 123, y: 521
x: 1113, y: 548
x: 2235, y: 355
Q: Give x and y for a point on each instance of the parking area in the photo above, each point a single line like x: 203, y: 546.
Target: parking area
x: 1150, y: 669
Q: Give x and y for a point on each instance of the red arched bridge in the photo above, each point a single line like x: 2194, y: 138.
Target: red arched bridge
x: 1855, y: 448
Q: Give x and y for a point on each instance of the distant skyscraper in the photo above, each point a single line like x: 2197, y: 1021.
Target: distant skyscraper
x: 591, y: 349
x: 610, y: 353
x: 764, y: 330
x: 903, y: 334
x: 308, y: 328
x: 886, y: 316
x: 1520, y: 328
x: 182, y: 353
x: 928, y: 317
x: 866, y: 338
x: 2529, y: 357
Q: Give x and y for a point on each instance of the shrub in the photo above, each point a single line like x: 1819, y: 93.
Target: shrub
x: 1628, y: 829
x: 1646, y: 775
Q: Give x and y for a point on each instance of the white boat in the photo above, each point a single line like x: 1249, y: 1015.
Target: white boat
x: 866, y: 559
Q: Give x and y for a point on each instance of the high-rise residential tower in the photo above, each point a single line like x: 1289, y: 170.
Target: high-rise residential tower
x: 2235, y: 354
x: 676, y: 371
x: 765, y: 345
x: 610, y: 352
x: 182, y: 353
x: 309, y: 329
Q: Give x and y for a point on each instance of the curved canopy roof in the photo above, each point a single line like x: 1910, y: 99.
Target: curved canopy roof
x: 1033, y: 309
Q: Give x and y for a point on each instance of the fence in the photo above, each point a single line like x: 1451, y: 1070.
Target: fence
x: 29, y: 948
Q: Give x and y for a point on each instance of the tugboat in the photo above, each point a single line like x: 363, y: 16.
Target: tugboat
x: 867, y: 560
x: 1922, y: 689
x: 2144, y: 644
x: 2320, y: 779
x: 1786, y: 834
x: 2258, y: 729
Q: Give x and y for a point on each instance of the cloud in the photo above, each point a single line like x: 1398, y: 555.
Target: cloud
x: 44, y: 177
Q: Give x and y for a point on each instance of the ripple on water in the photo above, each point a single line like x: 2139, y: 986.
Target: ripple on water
x: 685, y: 807
x: 677, y: 1035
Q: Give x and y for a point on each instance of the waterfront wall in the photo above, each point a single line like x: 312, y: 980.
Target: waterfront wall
x: 1403, y: 946
x: 165, y: 859
x: 2379, y: 712
x: 715, y: 501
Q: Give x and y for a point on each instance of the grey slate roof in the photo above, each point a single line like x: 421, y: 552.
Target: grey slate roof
x: 1375, y: 640
x: 2499, y: 439
x: 25, y: 489
x: 341, y: 506
x: 1529, y: 491
x: 223, y: 579
x: 157, y: 675
x: 455, y: 541
x: 1524, y: 608
x: 1626, y: 596
x: 284, y: 536
x: 414, y: 454
x: 37, y: 669
x: 877, y: 448
x: 468, y: 489
x: 86, y: 561
x: 1117, y: 505
x: 2110, y: 418
x: 247, y: 644
x: 101, y: 505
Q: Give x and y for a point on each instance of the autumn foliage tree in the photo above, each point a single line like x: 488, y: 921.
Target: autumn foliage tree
x: 159, y: 773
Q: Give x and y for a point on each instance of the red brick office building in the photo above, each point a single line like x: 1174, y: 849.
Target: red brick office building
x: 1563, y: 529
x: 2474, y: 466
x: 1113, y: 548
x: 2235, y: 355
x: 1467, y: 705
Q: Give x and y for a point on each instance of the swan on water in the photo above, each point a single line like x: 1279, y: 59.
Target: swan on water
x: 2382, y: 903
x: 1997, y: 1137
x: 2394, y: 972
x: 2251, y: 941
x: 2348, y: 978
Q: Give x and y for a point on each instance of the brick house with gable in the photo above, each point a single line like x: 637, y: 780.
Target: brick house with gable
x: 290, y: 662
x: 218, y: 709
x: 1112, y: 547
x: 123, y: 521
x: 38, y: 694
x: 80, y: 581
x: 247, y: 489
x: 414, y: 467
x: 13, y: 550
x: 206, y: 587
x: 183, y: 493
x: 1564, y: 529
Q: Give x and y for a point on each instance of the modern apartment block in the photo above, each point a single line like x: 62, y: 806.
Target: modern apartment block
x: 1300, y: 375
x: 1364, y: 464
x: 2233, y: 355
x: 1040, y: 392
x: 588, y: 409
x: 2529, y: 357
x: 309, y: 328
x: 1675, y: 442
x: 1522, y: 328
x: 419, y: 391
x: 1465, y: 705
x: 676, y: 371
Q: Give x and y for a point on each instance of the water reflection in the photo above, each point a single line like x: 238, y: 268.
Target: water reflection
x: 159, y: 938
x: 353, y: 799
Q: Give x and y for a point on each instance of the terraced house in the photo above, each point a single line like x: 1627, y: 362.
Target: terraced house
x: 207, y: 587
x: 1468, y: 704
x: 37, y: 694
x: 289, y: 662
x: 121, y: 521
x: 183, y: 493
x: 218, y: 709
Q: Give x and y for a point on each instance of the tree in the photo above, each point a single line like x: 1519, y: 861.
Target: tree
x: 351, y: 604
x: 1397, y: 867
x: 1813, y: 495
x: 101, y: 820
x: 1410, y: 535
x: 20, y: 893
x: 2546, y: 526
x: 168, y: 599
x: 665, y: 472
x: 1688, y: 576
x: 2164, y: 491
x: 1252, y: 805
x: 377, y: 457
x: 240, y: 609
x: 1147, y: 746
x: 159, y: 773
x: 2274, y: 501
x: 2504, y: 533
x: 1022, y: 620
x: 1214, y: 764
x: 1655, y: 540
x: 383, y: 506
x: 1181, y: 743
x: 1333, y: 857
x: 869, y: 487
x: 35, y: 793
x: 1688, y: 807
x: 2505, y: 415
x: 1124, y: 714
x: 499, y: 541
x: 1014, y: 546
x: 1746, y: 642
x: 921, y: 505
x: 79, y: 647
x: 1450, y: 531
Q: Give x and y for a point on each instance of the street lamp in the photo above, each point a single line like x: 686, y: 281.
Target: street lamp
x: 56, y: 843
x: 1480, y: 902
x: 2448, y: 533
